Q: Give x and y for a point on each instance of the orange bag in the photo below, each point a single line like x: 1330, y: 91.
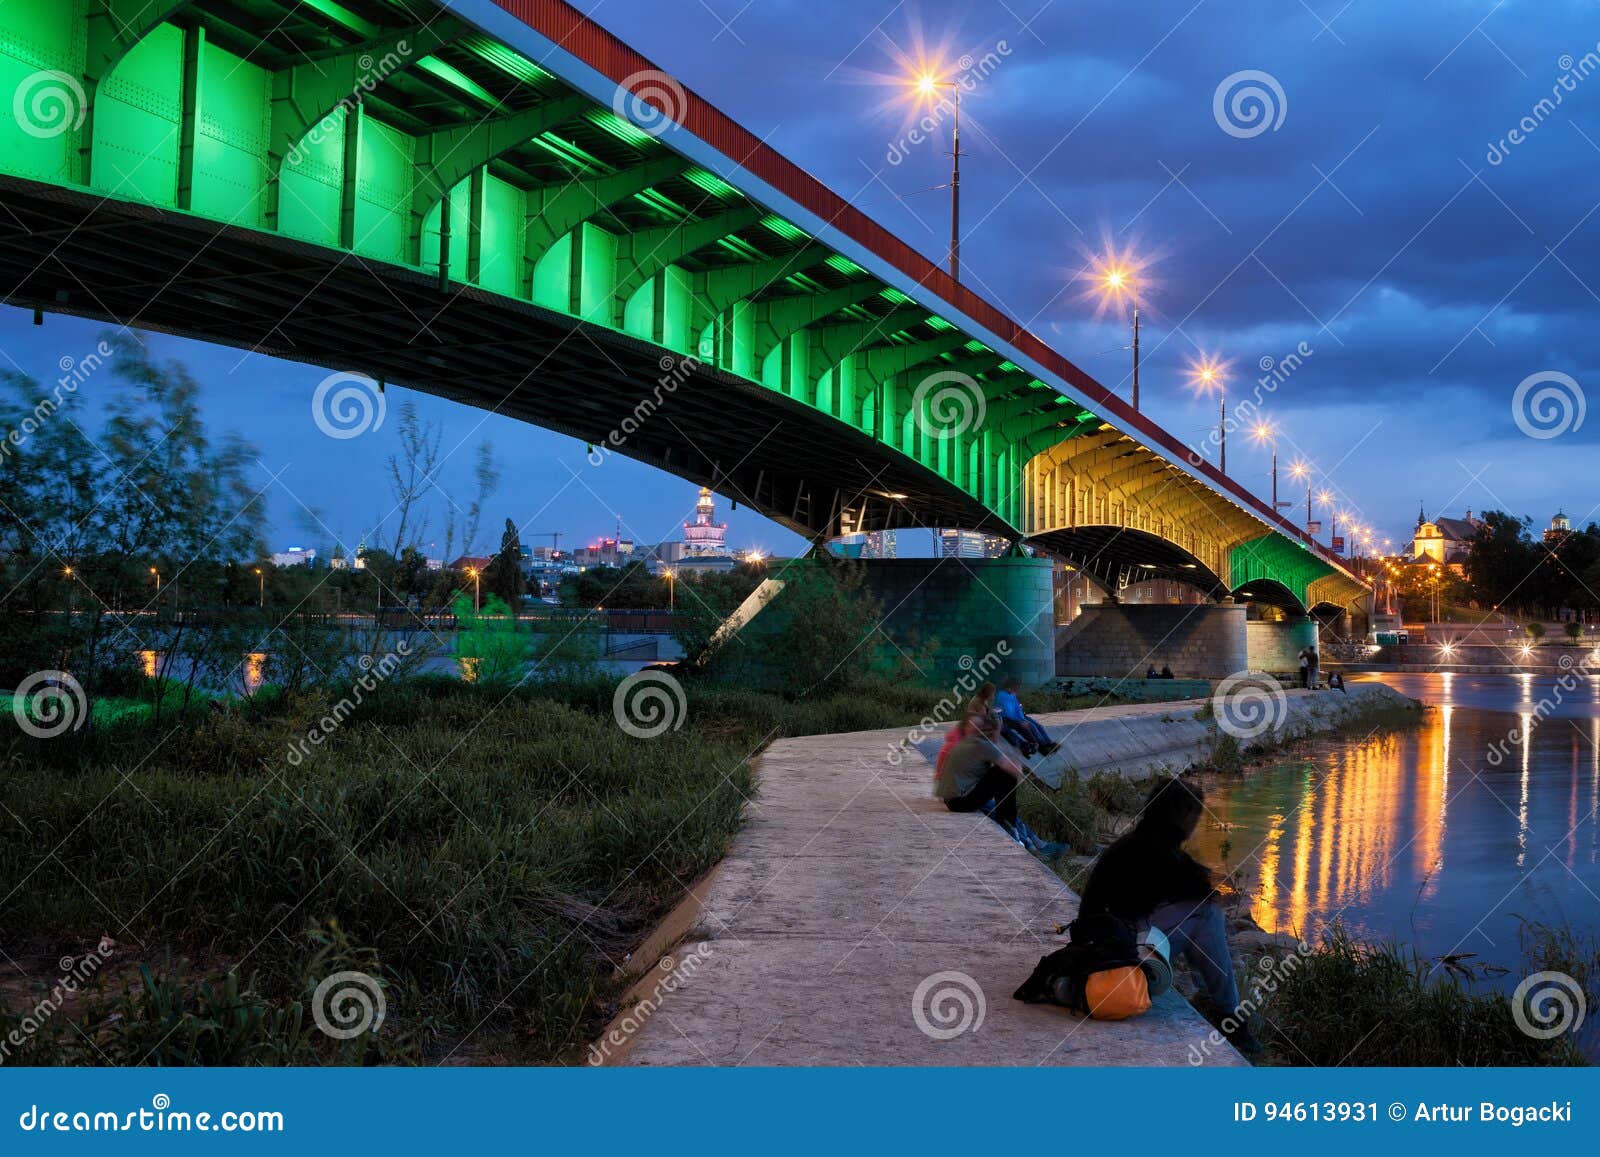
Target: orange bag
x: 1117, y: 993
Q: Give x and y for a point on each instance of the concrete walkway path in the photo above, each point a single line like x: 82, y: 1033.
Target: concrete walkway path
x: 850, y: 893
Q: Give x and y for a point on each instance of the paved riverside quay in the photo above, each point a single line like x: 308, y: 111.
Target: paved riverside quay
x: 851, y: 886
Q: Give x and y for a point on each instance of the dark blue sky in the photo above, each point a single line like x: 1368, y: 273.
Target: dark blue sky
x: 1371, y: 225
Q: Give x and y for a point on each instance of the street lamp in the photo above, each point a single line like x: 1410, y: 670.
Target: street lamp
x: 262, y: 583
x: 1210, y: 374
x: 476, y: 589
x: 1265, y: 432
x: 672, y: 588
x: 1302, y: 471
x: 928, y: 86
x: 157, y: 575
x: 1116, y: 280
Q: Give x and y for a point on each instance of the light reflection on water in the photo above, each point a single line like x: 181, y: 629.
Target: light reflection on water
x: 1442, y: 837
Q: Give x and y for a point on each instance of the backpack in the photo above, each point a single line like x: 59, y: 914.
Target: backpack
x: 1097, y: 974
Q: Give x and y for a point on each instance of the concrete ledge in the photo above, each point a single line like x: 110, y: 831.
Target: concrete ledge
x: 1145, y: 739
x: 849, y: 888
x: 1132, y: 690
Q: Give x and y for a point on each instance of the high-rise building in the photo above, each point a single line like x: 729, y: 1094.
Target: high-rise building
x: 972, y: 544
x: 705, y: 535
x: 882, y: 544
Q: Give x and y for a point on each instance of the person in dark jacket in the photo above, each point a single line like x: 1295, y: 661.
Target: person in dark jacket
x: 1146, y: 877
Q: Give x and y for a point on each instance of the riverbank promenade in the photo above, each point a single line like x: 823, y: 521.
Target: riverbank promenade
x: 856, y: 921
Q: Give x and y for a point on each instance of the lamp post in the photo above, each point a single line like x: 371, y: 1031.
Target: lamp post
x: 157, y: 575
x: 476, y: 588
x: 1265, y: 432
x: 672, y: 589
x: 929, y: 85
x: 261, y: 581
x: 1302, y: 470
x: 1209, y: 374
x: 1117, y: 279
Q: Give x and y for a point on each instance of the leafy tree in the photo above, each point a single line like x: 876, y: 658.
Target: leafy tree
x: 503, y: 575
x: 490, y: 646
x: 1499, y: 561
x: 630, y: 587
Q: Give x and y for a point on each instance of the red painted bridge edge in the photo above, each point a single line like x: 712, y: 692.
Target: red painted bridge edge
x: 595, y: 46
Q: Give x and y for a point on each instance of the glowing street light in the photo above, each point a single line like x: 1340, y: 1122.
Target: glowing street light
x: 262, y: 582
x: 1117, y: 278
x: 1302, y: 472
x: 1266, y: 432
x: 672, y: 588
x: 155, y: 574
x: 927, y: 85
x: 1211, y: 374
x: 477, y: 587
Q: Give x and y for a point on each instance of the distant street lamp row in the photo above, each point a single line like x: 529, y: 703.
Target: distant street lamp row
x: 1118, y: 278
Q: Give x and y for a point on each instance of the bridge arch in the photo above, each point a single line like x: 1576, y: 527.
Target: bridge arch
x: 482, y: 224
x: 1118, y: 557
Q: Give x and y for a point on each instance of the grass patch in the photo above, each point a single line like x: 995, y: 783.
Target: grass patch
x: 1348, y: 1003
x: 488, y: 855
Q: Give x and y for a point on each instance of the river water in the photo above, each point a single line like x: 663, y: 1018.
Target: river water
x: 1445, y: 837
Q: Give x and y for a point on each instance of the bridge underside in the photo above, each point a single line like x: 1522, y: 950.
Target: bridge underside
x: 494, y: 210
x: 180, y: 274
x: 1116, y: 557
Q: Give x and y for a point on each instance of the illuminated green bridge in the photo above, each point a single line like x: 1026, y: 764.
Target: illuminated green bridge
x: 496, y: 201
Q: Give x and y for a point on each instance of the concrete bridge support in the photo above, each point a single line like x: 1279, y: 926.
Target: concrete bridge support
x: 1276, y: 647
x: 1123, y: 641
x: 958, y: 620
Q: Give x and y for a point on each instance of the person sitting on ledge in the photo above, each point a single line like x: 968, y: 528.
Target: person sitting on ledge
x: 1336, y: 681
x: 1020, y: 729
x: 1147, y: 879
x: 974, y: 772
x: 1152, y: 674
x: 1166, y: 673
